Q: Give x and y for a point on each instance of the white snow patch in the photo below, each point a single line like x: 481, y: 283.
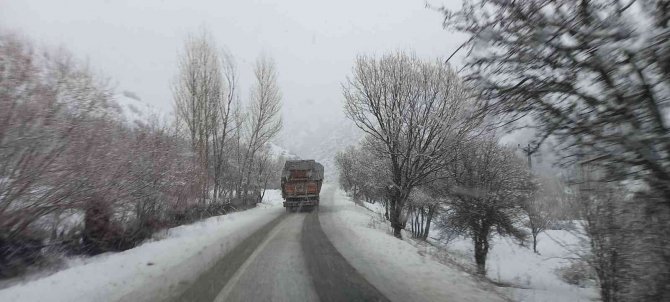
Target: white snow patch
x: 154, y: 270
x: 133, y: 109
x: 278, y: 151
x: 534, y: 277
x: 397, y: 268
x: 272, y: 198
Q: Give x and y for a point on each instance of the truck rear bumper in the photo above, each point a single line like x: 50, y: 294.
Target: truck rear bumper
x: 300, y: 203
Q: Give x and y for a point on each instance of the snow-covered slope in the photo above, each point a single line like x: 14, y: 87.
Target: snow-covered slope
x: 399, y: 269
x: 133, y: 110
x: 281, y: 152
x: 532, y: 277
x: 528, y: 276
x: 153, y: 270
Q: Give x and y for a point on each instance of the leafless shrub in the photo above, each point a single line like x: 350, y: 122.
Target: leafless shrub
x: 578, y: 273
x: 65, y: 150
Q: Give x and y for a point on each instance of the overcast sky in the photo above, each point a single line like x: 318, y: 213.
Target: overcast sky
x: 313, y: 42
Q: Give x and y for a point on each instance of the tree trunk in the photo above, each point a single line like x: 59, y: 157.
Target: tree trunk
x: 396, y: 215
x: 386, y: 208
x: 419, y: 231
x: 481, y: 250
x: 417, y: 223
x: 429, y: 218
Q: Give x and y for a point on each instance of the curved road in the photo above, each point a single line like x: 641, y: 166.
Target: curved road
x: 289, y: 259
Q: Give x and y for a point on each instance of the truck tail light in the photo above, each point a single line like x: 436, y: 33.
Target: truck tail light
x: 289, y: 188
x: 311, y: 187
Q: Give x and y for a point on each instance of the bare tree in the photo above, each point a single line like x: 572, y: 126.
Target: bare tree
x: 599, y: 208
x: 263, y: 121
x: 46, y: 102
x: 364, y: 174
x: 267, y: 170
x: 489, y: 185
x: 65, y: 149
x: 433, y: 202
x: 594, y: 74
x: 198, y: 96
x: 415, y: 111
x: 586, y: 72
x: 422, y: 209
x: 226, y: 137
x: 224, y: 125
x: 344, y: 160
x: 538, y: 206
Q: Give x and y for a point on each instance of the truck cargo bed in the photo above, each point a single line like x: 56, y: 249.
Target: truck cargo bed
x: 301, y: 182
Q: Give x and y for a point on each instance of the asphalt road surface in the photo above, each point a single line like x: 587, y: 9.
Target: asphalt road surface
x: 289, y: 259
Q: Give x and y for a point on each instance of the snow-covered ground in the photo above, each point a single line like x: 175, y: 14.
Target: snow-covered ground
x: 403, y: 270
x: 399, y: 269
x: 151, y: 271
x: 532, y: 277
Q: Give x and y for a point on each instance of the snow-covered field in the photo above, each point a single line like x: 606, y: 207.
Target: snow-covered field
x: 397, y: 268
x: 532, y: 277
x: 151, y: 271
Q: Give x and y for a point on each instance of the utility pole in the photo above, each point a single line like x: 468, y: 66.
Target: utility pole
x: 529, y: 152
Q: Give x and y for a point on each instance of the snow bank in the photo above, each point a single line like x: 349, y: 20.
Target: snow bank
x: 533, y: 277
x: 155, y: 270
x: 400, y: 270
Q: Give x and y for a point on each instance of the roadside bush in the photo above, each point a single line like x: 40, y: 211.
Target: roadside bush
x: 577, y: 273
x: 17, y: 253
x: 65, y: 146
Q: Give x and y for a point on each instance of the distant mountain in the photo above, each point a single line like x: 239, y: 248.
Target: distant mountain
x: 278, y: 151
x: 320, y: 138
x: 133, y: 110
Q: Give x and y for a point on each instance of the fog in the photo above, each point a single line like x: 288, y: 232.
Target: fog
x: 314, y: 43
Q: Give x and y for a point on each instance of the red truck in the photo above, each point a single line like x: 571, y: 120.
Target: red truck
x: 301, y: 182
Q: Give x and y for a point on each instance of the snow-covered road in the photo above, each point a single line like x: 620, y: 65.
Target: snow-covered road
x: 289, y: 259
x: 276, y: 270
x: 336, y: 254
